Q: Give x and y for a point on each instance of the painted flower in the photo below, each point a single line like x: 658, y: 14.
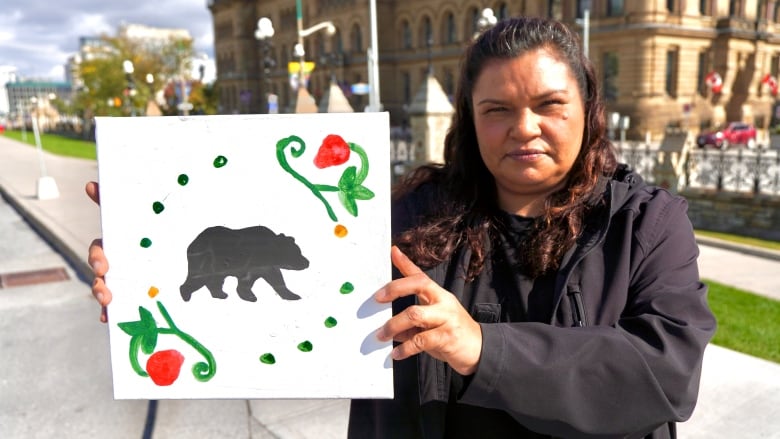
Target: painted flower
x: 334, y: 151
x: 163, y: 367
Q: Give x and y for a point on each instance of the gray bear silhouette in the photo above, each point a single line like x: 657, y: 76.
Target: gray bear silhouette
x: 248, y: 254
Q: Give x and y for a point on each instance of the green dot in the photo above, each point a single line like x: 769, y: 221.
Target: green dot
x: 220, y: 161
x: 347, y: 288
x: 305, y: 346
x: 146, y: 242
x: 267, y: 358
x: 330, y: 322
x: 158, y: 207
x: 183, y: 179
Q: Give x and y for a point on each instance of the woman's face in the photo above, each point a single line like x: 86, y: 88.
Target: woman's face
x: 529, y: 118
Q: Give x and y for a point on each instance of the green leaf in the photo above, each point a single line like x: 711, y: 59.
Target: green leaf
x: 347, y: 180
x: 133, y: 328
x: 361, y: 192
x: 142, y: 327
x: 349, y: 203
x: 147, y: 318
x: 149, y: 342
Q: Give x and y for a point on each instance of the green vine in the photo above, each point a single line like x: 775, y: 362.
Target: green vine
x: 143, y: 337
x: 350, y: 186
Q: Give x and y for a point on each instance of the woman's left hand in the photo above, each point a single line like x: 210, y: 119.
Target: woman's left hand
x: 438, y: 324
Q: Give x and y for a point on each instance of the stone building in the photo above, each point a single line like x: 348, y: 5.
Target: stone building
x: 652, y: 56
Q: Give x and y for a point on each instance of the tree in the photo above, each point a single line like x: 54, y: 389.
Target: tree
x: 106, y: 90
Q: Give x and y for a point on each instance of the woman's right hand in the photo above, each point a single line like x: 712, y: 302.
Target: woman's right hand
x: 97, y: 260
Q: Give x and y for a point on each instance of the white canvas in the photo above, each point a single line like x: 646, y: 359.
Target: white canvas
x: 295, y: 207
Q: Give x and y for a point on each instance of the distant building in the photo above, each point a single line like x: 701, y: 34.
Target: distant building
x: 7, y: 74
x: 653, y: 57
x: 26, y: 97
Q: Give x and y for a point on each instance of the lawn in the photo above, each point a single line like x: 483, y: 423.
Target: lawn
x: 772, y: 245
x: 746, y: 322
x: 59, y: 145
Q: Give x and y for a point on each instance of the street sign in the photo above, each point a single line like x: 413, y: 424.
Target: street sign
x: 295, y: 67
x: 360, y: 88
x: 273, y: 104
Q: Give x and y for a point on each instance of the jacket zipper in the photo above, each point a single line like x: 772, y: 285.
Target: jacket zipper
x: 577, y: 307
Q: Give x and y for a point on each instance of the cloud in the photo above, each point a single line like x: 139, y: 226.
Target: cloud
x: 37, y: 38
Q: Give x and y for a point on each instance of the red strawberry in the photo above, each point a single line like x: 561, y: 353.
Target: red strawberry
x: 333, y: 151
x: 163, y: 366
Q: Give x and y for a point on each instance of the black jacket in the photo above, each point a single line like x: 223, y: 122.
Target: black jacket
x: 621, y: 356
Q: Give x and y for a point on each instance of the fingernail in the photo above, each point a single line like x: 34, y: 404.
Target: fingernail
x: 99, y: 297
x: 380, y: 294
x: 380, y: 334
x: 395, y: 353
x: 96, y: 266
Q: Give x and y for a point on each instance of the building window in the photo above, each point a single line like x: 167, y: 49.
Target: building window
x: 357, y: 38
x: 704, y: 8
x: 406, y: 87
x: 426, y: 33
x: 582, y: 5
x: 473, y: 26
x: 734, y: 8
x: 670, y: 5
x: 703, y: 69
x: 451, y: 35
x: 610, y: 75
x: 554, y: 9
x: 614, y: 8
x: 671, y: 73
x: 339, y: 43
x: 406, y: 35
x: 503, y: 11
x: 774, y: 67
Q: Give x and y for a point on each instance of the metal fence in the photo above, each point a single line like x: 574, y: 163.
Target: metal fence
x: 742, y: 170
x: 737, y: 169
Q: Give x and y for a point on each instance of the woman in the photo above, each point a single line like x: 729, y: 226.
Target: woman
x: 541, y: 289
x: 561, y: 294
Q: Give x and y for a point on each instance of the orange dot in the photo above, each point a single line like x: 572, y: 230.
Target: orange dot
x: 340, y: 231
x: 153, y: 291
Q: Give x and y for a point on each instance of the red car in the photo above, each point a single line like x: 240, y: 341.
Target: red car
x: 734, y: 133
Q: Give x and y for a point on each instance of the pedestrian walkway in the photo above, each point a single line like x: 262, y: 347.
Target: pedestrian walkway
x: 740, y: 395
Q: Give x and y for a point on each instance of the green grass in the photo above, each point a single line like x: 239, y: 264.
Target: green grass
x: 59, y: 145
x: 746, y: 322
x: 772, y: 245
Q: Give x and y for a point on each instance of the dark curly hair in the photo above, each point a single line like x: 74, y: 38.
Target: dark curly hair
x: 466, y: 211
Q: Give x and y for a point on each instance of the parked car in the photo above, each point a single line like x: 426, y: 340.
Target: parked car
x: 733, y: 133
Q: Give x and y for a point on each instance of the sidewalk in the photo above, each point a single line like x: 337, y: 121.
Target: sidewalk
x: 740, y: 395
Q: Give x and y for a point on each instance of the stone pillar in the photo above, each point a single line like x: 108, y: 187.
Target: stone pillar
x: 430, y: 114
x: 334, y: 101
x: 669, y: 171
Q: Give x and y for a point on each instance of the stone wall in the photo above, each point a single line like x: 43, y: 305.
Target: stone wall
x: 756, y: 216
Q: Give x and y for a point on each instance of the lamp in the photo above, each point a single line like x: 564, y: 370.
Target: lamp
x: 264, y: 32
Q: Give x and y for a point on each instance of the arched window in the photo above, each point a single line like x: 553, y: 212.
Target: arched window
x: 406, y: 35
x: 426, y: 32
x: 338, y: 43
x: 473, y: 25
x: 503, y: 11
x: 450, y: 30
x: 357, y: 38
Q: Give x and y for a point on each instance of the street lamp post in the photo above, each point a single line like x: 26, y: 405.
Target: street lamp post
x: 264, y: 32
x: 129, y: 69
x: 329, y: 27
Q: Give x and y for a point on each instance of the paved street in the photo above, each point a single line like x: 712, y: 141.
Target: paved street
x: 56, y: 374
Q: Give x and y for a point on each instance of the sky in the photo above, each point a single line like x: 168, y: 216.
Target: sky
x: 38, y: 36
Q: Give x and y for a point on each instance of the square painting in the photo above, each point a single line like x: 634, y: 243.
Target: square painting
x: 244, y: 254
